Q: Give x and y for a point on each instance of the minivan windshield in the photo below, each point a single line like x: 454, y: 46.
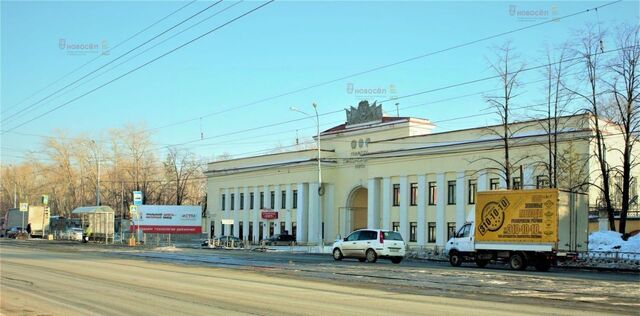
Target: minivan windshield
x: 392, y: 236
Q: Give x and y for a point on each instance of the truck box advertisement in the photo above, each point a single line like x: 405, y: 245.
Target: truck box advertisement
x: 168, y: 219
x: 517, y: 216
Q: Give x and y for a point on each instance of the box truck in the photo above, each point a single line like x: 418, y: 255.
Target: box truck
x: 39, y: 220
x: 522, y: 228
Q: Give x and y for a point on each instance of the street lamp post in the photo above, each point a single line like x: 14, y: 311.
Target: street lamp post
x: 320, y: 187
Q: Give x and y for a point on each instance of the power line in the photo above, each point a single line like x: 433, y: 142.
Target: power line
x: 142, y: 52
x: 143, y: 65
x: 323, y: 83
x: 97, y: 57
x: 110, y: 62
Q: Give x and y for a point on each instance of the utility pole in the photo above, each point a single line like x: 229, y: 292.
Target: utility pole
x: 320, y: 187
x: 98, y: 171
x: 397, y: 109
x: 15, y: 195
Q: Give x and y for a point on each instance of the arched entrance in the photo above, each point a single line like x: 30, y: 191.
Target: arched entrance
x: 356, y: 210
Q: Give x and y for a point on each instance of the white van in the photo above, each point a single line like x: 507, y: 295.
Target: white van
x: 369, y: 245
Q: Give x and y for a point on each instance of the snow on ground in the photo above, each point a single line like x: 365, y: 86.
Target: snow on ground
x: 612, y: 241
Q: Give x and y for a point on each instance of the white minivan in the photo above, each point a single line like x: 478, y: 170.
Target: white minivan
x: 369, y: 245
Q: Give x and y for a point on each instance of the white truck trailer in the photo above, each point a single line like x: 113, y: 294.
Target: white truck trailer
x: 522, y: 227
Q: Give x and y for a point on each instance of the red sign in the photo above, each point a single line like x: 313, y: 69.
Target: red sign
x: 269, y: 215
x: 161, y: 229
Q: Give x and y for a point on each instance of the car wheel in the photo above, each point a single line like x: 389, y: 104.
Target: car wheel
x: 337, y: 254
x: 396, y: 260
x: 362, y: 259
x: 372, y: 256
x: 481, y: 263
x: 455, y: 259
x: 518, y: 262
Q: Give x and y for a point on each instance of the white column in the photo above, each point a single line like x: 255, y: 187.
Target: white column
x: 422, y: 211
x: 460, y: 200
x: 256, y: 214
x: 528, y: 182
x: 373, y: 206
x: 227, y: 212
x: 245, y: 215
x: 278, y: 208
x: 236, y: 212
x: 314, y: 203
x: 302, y: 212
x: 404, y: 207
x: 386, y: 203
x: 441, y: 222
x: 267, y: 205
x: 482, y: 183
x: 289, y: 207
x: 329, y: 231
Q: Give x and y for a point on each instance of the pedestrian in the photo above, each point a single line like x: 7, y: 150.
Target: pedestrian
x: 29, y: 229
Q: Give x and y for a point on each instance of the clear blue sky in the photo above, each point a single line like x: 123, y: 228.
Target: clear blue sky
x: 282, y: 47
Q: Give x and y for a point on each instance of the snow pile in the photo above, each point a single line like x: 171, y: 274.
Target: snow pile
x: 611, y: 241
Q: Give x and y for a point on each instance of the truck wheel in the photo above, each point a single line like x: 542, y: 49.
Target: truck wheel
x: 455, y: 258
x: 481, y: 263
x: 542, y: 264
x: 518, y: 261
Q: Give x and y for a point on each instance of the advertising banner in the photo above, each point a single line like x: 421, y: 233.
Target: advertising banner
x: 269, y: 214
x: 169, y: 219
x: 517, y: 216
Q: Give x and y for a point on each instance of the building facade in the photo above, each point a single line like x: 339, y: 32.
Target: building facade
x: 386, y: 172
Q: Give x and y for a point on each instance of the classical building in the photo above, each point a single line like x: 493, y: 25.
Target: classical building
x: 387, y: 172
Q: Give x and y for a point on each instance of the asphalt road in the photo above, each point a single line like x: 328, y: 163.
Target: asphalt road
x: 53, y: 278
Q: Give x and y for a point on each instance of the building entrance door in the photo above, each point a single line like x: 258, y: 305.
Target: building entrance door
x: 354, y: 215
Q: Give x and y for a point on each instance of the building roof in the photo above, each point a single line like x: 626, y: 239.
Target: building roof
x: 92, y: 209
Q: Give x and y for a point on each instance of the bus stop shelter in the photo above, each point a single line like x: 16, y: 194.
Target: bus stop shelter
x: 101, y: 221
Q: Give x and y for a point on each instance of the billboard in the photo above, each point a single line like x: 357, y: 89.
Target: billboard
x: 169, y: 219
x: 517, y: 216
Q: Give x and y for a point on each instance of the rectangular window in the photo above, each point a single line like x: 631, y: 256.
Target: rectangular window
x: 494, y: 183
x: 222, y: 230
x: 542, y: 182
x: 431, y: 232
x: 261, y: 201
x: 283, y: 200
x: 233, y: 201
x: 451, y: 192
x: 283, y: 229
x: 396, y: 194
x: 451, y: 229
x: 517, y: 183
x: 242, y: 201
x: 414, y: 194
x: 295, y: 198
x: 261, y: 231
x: 213, y: 229
x: 396, y: 226
x: 272, y: 226
x: 273, y: 200
x: 432, y: 193
x: 251, y: 204
x: 473, y: 189
x: 224, y: 201
x: 294, y: 227
x: 413, y: 227
x: 251, y: 231
x: 241, y: 229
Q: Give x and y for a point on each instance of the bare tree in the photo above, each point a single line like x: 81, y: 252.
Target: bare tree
x: 589, y: 55
x: 625, y: 87
x: 507, y: 68
x: 181, y: 167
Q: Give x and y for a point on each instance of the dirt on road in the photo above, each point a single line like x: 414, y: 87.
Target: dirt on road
x: 50, y: 281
